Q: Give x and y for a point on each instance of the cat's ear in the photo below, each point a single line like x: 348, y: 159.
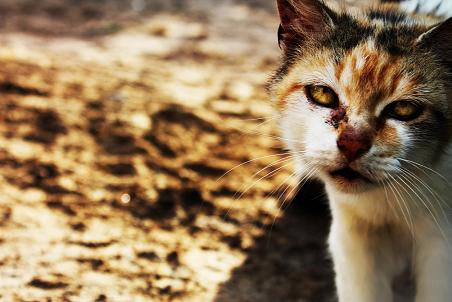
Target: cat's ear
x: 439, y: 38
x: 301, y: 20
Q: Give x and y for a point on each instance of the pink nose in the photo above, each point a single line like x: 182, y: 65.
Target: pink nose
x: 354, y: 143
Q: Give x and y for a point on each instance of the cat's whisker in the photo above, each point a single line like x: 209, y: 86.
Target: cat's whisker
x: 264, y: 119
x: 256, y: 131
x: 405, y: 202
x: 409, y: 179
x: 239, y: 194
x: 250, y: 161
x: 388, y: 202
x: 281, y: 194
x: 300, y: 184
x: 281, y: 205
x: 412, y: 177
x: 297, y: 187
x: 396, y: 198
x: 400, y: 202
x: 432, y: 212
x: 420, y: 166
x: 294, y: 174
x: 410, y: 186
x: 426, y: 186
x: 395, y: 211
x: 279, y: 209
x: 280, y: 138
x: 413, y: 235
x: 269, y: 174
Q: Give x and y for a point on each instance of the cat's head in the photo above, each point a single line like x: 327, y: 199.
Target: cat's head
x: 361, y: 96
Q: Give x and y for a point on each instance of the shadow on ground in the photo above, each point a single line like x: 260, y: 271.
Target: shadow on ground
x: 290, y: 262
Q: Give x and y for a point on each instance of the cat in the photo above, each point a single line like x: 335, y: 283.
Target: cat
x: 365, y: 104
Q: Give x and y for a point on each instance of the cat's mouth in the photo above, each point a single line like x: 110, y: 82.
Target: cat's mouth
x: 349, y: 175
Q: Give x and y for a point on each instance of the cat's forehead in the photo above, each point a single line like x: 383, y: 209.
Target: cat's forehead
x: 366, y: 75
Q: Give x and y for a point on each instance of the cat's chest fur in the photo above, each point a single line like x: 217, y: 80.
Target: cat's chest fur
x: 365, y: 102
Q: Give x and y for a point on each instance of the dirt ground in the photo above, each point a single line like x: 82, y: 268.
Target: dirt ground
x: 118, y: 119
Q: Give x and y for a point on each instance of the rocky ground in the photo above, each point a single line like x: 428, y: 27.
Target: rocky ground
x: 118, y: 122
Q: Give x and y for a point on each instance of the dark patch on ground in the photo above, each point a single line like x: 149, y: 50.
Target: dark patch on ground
x: 43, y: 284
x: 10, y: 87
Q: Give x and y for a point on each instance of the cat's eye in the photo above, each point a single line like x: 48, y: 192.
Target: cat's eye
x: 403, y: 110
x: 322, y: 95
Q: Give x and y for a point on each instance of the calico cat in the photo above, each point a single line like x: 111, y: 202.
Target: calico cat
x: 365, y: 104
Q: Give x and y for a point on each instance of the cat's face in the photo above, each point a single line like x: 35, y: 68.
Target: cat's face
x: 359, y: 97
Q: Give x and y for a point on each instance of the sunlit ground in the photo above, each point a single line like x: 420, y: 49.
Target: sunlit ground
x: 118, y: 119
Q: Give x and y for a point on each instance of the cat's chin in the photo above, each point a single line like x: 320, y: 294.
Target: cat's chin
x: 349, y: 180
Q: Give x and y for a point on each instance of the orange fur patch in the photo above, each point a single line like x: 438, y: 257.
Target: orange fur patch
x: 371, y: 76
x: 388, y: 137
x: 282, y: 99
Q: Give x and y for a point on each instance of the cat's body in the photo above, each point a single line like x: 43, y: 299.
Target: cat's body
x: 366, y: 107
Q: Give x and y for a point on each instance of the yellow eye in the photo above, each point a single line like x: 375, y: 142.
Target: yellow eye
x: 322, y: 95
x: 403, y: 110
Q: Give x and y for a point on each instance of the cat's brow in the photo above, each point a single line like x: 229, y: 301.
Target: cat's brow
x: 293, y: 88
x: 368, y: 74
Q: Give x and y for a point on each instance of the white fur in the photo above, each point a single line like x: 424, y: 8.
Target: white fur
x: 360, y: 62
x: 347, y: 74
x: 378, y: 234
x: 367, y: 261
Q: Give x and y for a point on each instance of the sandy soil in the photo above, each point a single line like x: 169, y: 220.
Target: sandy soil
x: 117, y: 120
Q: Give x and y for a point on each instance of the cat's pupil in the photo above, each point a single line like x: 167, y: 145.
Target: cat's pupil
x: 404, y: 110
x: 322, y: 95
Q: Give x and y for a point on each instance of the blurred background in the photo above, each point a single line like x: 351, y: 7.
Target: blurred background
x: 119, y: 122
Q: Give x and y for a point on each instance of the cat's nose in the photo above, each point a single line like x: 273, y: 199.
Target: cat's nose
x: 354, y: 143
